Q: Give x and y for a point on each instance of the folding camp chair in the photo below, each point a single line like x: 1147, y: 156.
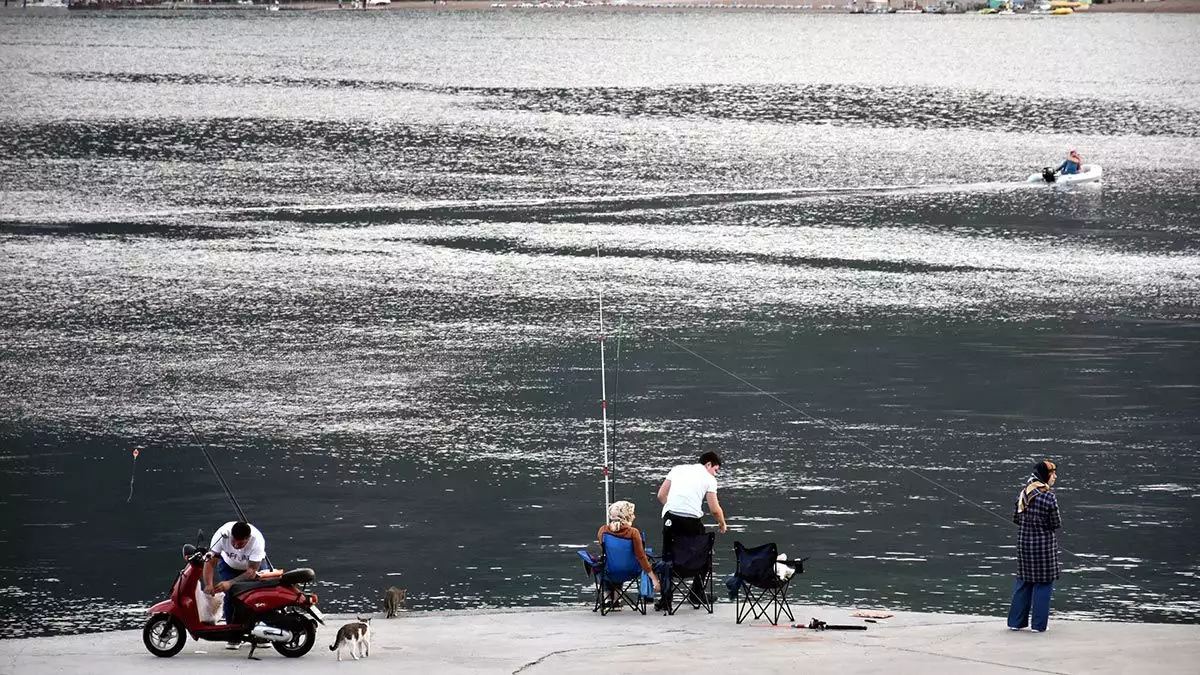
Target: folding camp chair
x: 617, y: 570
x: 760, y: 590
x: 691, y: 558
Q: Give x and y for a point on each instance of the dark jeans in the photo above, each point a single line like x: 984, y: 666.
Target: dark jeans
x: 1028, y: 598
x: 675, y: 524
x: 225, y: 573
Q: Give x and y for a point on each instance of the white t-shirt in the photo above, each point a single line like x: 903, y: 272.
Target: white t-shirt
x: 689, y: 485
x: 238, y: 558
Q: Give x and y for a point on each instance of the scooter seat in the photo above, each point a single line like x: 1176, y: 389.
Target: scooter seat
x: 290, y: 578
x: 243, y: 587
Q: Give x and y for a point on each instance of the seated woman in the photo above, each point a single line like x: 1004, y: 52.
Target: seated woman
x: 620, y: 524
x: 1072, y: 164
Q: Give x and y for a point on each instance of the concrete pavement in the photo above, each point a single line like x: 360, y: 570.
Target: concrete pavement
x: 566, y: 641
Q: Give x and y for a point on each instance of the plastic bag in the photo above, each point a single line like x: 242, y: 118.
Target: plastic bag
x: 210, y: 607
x: 646, y: 587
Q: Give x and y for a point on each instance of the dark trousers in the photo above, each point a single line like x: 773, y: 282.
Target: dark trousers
x: 1030, y: 598
x: 675, y: 524
x: 225, y: 573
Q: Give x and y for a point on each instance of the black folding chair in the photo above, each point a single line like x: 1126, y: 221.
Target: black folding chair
x: 691, y: 559
x: 760, y: 590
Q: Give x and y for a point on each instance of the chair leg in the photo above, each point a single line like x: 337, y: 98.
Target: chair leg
x: 682, y: 591
x: 745, y: 603
x: 709, y: 596
x: 598, y: 600
x: 783, y: 600
x: 756, y: 606
x: 621, y: 595
x: 634, y: 600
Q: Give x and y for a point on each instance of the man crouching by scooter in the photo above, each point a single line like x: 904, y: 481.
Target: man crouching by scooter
x: 243, y: 552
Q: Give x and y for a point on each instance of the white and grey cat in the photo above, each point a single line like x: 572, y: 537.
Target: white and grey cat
x: 392, y: 599
x: 357, y: 636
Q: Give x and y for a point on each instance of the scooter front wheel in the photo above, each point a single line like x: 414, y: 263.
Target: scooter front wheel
x: 164, y: 635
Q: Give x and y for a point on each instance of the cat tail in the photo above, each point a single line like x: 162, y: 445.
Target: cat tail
x: 336, y: 643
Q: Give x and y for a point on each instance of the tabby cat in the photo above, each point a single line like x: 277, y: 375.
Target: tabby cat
x: 393, y: 598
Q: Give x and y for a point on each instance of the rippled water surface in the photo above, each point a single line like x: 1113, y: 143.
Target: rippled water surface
x: 357, y: 254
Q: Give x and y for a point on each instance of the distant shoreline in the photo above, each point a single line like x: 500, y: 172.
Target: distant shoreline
x: 1155, y: 7
x: 806, y: 6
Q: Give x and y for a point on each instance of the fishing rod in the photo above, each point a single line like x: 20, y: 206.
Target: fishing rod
x: 220, y: 479
x: 616, y: 397
x: 604, y: 402
x: 187, y: 420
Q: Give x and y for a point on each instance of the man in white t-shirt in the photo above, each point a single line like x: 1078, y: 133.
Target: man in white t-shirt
x: 685, y: 491
x: 240, y: 550
x: 683, y: 495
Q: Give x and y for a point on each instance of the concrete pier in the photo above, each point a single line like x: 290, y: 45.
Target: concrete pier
x: 564, y: 641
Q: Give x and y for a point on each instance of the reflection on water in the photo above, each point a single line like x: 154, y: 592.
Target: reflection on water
x: 372, y: 293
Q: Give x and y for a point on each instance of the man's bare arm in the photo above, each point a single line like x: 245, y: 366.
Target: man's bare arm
x: 250, y: 573
x: 664, y: 490
x: 715, y: 507
x: 251, y: 570
x: 210, y: 566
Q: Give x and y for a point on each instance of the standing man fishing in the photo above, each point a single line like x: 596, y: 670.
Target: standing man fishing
x: 683, y: 494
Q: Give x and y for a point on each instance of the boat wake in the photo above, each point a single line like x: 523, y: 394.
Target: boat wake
x: 523, y: 207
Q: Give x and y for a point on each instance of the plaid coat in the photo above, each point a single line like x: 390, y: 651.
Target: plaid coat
x: 1037, y: 543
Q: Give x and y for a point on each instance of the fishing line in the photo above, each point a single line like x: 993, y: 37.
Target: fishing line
x: 616, y: 397
x: 220, y: 479
x: 133, y: 474
x: 845, y: 436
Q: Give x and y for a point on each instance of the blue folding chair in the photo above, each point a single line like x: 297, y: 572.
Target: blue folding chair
x: 618, y: 571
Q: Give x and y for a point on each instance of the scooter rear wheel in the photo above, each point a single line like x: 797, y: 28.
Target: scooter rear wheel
x: 304, y: 636
x: 164, y: 635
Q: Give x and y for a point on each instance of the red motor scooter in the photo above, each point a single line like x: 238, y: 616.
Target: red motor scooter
x: 274, y: 611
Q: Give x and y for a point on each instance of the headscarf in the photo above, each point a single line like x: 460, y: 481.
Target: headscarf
x: 1038, y: 481
x: 620, y: 514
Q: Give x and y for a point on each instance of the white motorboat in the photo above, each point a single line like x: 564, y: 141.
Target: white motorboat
x: 1088, y: 173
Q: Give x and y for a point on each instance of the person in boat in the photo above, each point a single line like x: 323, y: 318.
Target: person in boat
x: 1071, y: 165
x: 1038, y: 566
x: 620, y: 524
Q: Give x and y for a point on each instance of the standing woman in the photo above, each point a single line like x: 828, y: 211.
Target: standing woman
x: 1037, y: 550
